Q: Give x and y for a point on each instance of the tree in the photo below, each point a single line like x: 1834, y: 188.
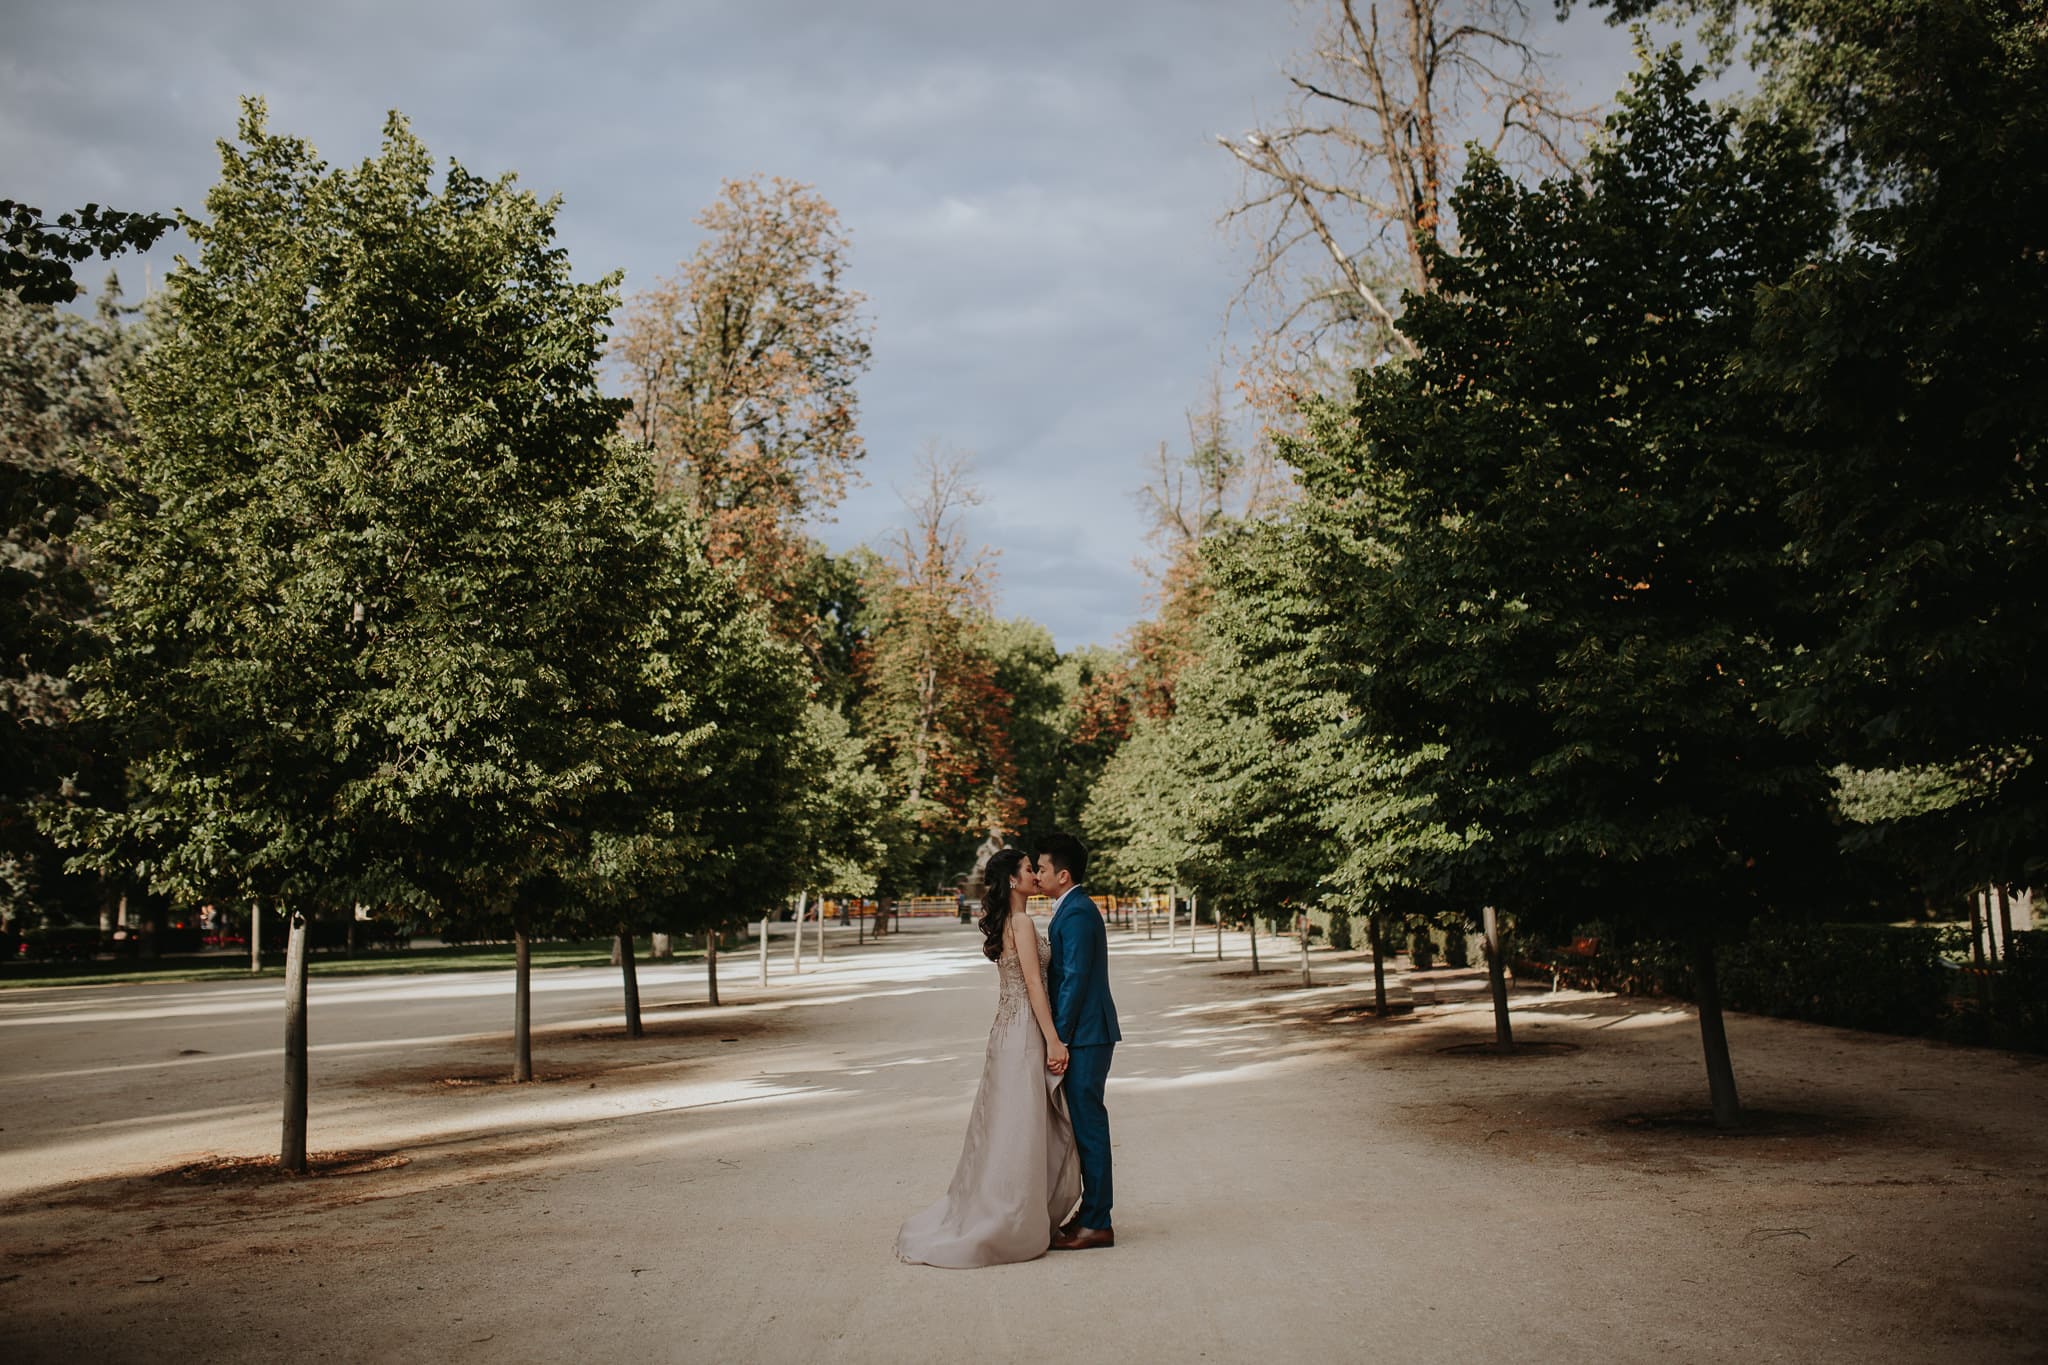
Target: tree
x: 377, y: 565
x: 1364, y: 841
x: 704, y: 828
x: 1091, y: 722
x: 1585, y: 599
x: 742, y: 369
x: 1345, y: 195
x: 36, y: 255
x: 1029, y: 670
x: 1246, y: 819
x: 58, y: 414
x: 830, y: 595
x: 1912, y: 364
x: 839, y: 809
x: 933, y: 714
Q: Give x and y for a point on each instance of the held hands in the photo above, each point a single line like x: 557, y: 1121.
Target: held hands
x: 1056, y: 1057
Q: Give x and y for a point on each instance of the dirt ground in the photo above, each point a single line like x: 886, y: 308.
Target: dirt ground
x: 1296, y: 1180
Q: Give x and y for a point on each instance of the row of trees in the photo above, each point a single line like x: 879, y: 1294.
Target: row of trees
x: 1670, y: 570
x: 931, y: 724
x: 339, y: 581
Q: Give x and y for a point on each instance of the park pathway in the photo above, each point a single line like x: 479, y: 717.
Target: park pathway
x: 1294, y: 1182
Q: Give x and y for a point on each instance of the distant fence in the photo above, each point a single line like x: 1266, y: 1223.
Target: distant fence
x: 918, y: 907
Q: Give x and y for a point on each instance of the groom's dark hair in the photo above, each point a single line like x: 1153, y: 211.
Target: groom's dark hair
x: 1064, y: 852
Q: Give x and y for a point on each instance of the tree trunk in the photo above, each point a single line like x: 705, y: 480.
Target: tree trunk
x: 622, y: 949
x: 522, y: 1006
x: 1302, y: 924
x: 1714, y: 1034
x: 796, y: 952
x: 292, y: 1153
x: 255, y: 933
x: 821, y: 930
x: 1497, y: 979
x: 1976, y: 931
x: 1379, y: 966
x: 349, y: 949
x: 711, y: 962
x: 1252, y: 923
x: 2005, y: 920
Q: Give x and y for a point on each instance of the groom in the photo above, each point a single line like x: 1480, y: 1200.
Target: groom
x: 1077, y: 978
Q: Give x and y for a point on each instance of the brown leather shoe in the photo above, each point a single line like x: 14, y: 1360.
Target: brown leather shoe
x: 1084, y: 1239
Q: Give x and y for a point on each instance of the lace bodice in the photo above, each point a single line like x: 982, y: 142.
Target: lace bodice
x: 1013, y: 998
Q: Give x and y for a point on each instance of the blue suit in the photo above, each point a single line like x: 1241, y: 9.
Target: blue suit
x: 1077, y: 979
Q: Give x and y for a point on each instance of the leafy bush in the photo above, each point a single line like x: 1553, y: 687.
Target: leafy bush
x: 2020, y: 999
x: 1880, y: 978
x: 60, y: 943
x: 1877, y: 977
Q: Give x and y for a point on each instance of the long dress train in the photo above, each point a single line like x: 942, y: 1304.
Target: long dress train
x: 1018, y: 1176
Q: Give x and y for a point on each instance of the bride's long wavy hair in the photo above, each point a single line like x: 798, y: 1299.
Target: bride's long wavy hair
x: 995, y: 901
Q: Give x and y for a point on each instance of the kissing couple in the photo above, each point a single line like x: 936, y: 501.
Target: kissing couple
x: 1038, y: 1139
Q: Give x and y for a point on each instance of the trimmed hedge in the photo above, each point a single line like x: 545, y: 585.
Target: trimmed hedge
x: 1880, y: 978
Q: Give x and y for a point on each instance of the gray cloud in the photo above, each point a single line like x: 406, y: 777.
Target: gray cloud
x: 1032, y: 190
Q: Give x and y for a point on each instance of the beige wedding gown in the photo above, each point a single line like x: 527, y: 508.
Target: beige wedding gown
x: 1018, y: 1177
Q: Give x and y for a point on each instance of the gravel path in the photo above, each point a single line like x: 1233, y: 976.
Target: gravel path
x: 1295, y: 1182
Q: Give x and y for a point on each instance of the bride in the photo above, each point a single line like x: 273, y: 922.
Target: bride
x: 1018, y: 1177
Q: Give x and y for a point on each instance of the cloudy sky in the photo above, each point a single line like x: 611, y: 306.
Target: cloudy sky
x: 1032, y: 189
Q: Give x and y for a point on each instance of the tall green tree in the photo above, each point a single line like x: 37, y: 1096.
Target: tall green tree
x: 59, y: 413
x: 377, y: 568
x: 1912, y: 365
x: 1134, y: 819
x: 1361, y: 841
x: 702, y: 832
x: 1027, y: 669
x: 1585, y: 601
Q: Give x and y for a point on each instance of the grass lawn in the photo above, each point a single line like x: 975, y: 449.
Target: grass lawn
x: 482, y: 957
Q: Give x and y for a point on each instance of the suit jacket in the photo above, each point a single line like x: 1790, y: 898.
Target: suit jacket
x: 1077, y: 974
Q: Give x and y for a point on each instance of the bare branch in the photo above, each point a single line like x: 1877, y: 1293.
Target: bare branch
x: 1387, y: 95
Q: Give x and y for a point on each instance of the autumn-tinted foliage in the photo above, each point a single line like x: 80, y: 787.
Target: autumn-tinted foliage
x: 741, y: 370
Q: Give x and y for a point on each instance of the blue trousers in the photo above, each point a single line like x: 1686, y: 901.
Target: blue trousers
x: 1087, y: 1069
